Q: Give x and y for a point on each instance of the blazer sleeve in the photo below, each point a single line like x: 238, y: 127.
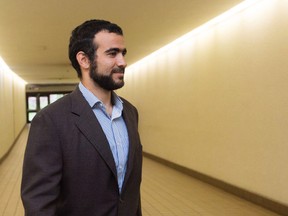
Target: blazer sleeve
x: 41, y: 168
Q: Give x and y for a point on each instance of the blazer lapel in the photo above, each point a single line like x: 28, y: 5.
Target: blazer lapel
x: 132, y: 130
x: 88, y: 124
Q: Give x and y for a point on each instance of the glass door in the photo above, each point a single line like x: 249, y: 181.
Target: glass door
x: 37, y: 101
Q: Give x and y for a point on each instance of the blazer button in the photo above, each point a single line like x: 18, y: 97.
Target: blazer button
x: 121, y: 201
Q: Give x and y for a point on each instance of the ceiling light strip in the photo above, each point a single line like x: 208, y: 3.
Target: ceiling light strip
x: 5, y: 69
x: 213, y: 22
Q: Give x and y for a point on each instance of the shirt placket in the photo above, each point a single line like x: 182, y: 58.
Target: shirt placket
x: 119, y: 150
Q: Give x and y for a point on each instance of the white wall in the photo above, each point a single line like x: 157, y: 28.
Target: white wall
x: 12, y: 109
x: 218, y: 103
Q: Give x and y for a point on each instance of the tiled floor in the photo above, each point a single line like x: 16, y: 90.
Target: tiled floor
x: 168, y: 192
x: 164, y: 191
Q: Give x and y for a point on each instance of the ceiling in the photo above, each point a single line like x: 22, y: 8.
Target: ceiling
x: 34, y: 34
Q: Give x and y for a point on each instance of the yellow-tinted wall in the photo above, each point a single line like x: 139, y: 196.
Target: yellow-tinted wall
x: 12, y: 109
x: 218, y: 103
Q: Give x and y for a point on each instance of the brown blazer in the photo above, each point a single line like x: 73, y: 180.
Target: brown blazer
x: 68, y: 166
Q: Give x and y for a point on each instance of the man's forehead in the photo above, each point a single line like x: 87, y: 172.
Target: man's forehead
x: 106, y: 41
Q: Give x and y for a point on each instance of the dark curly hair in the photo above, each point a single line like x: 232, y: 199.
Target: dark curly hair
x: 82, y: 39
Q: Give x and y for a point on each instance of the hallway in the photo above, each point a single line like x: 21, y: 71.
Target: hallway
x: 164, y: 191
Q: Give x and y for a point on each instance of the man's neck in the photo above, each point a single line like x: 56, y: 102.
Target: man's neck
x: 105, y: 96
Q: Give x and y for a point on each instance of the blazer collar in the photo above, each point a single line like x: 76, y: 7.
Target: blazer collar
x: 90, y: 127
x: 132, y: 129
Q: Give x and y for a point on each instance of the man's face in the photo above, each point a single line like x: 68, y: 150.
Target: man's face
x: 108, y: 68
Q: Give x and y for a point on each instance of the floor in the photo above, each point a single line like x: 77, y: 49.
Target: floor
x: 164, y: 191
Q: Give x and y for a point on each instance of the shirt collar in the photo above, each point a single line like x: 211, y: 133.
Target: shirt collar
x: 93, y: 100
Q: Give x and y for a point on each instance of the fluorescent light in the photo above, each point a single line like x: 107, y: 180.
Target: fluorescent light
x: 5, y: 69
x: 213, y: 22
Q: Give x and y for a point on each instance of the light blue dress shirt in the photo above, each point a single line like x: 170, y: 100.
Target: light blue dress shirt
x: 114, y: 128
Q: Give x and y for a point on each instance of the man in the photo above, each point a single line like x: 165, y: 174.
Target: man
x: 84, y: 156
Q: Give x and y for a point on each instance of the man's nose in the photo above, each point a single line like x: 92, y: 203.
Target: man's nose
x: 121, y: 62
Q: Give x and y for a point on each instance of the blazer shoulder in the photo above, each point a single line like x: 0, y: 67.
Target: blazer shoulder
x: 63, y: 105
x: 58, y: 105
x: 128, y: 104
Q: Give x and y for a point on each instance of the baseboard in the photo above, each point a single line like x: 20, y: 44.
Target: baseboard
x: 11, y: 147
x: 264, y: 202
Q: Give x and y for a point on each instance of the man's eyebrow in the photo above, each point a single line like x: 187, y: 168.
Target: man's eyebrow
x: 123, y: 51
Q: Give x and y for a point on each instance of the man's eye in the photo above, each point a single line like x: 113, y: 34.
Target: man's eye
x: 112, y: 53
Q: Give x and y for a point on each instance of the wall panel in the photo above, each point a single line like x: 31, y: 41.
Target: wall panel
x: 12, y: 109
x: 217, y: 103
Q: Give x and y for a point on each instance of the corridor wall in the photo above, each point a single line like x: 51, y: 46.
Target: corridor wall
x: 12, y: 108
x: 217, y: 102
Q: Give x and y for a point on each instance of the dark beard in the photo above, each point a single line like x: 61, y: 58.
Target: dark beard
x: 106, y: 81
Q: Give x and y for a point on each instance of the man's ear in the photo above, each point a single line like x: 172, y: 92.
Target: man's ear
x: 83, y: 60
